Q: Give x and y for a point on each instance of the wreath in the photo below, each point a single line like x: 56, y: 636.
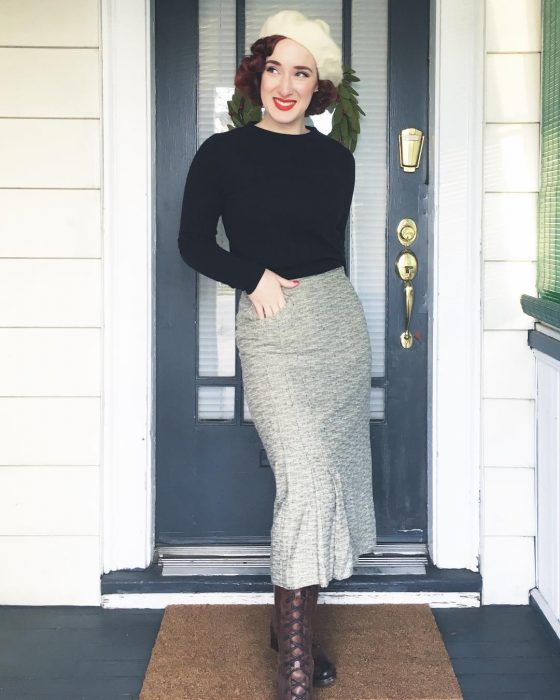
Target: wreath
x: 344, y: 108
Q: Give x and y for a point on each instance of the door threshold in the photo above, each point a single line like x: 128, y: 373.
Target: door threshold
x: 148, y: 588
x: 254, y: 560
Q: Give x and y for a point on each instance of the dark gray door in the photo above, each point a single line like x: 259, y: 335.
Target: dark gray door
x: 213, y: 480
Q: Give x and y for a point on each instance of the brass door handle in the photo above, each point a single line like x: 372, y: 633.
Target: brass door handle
x: 406, y: 267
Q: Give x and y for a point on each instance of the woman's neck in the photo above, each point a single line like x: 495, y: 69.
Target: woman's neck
x: 296, y: 128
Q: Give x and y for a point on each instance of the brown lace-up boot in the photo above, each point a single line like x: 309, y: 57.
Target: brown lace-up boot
x: 324, y: 673
x: 294, y: 609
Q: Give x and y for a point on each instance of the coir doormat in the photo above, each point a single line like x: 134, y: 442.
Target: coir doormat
x: 219, y: 652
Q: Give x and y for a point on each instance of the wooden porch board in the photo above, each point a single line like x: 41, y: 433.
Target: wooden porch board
x: 64, y: 652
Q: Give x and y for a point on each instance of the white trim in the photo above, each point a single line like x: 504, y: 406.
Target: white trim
x: 456, y: 155
x: 159, y: 601
x: 544, y: 607
x: 551, y: 362
x: 456, y: 163
x: 546, y: 593
x: 127, y: 492
x: 547, y: 330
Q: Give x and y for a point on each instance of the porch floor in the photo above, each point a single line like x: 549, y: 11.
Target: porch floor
x: 91, y: 653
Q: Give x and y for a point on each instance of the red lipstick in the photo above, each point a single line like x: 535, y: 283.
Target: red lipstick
x: 281, y: 106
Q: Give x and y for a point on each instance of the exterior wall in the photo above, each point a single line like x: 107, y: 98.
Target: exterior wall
x: 511, y: 183
x: 51, y: 283
x: 51, y: 310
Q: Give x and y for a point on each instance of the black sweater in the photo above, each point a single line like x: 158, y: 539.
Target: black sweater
x: 284, y: 200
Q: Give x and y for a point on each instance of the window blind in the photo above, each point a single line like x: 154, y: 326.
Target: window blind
x: 548, y: 254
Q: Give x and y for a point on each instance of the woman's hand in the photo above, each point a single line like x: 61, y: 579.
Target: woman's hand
x: 268, y: 297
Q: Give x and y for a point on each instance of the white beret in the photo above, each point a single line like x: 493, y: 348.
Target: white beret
x: 314, y: 34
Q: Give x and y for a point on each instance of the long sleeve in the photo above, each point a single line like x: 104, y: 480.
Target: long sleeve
x: 348, y: 187
x: 201, y: 210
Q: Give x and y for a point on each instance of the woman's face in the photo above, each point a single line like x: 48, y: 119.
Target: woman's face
x: 290, y: 74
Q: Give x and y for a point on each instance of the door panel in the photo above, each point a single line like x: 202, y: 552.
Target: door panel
x: 213, y: 480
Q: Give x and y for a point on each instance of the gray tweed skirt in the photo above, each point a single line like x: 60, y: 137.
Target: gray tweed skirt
x: 306, y: 375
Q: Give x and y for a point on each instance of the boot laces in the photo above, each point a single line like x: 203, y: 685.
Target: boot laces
x: 296, y: 665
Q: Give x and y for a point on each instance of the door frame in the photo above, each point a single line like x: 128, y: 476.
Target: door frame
x: 455, y: 235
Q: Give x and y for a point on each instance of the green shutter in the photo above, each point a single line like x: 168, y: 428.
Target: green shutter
x: 548, y: 259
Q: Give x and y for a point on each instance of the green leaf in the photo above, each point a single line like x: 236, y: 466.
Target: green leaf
x: 335, y: 133
x: 344, y: 130
x: 338, y: 116
x: 342, y: 90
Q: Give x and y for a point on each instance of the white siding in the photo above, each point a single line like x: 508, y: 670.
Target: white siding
x: 53, y: 82
x: 50, y: 302
x: 511, y: 182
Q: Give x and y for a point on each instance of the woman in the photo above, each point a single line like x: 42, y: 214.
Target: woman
x: 284, y: 192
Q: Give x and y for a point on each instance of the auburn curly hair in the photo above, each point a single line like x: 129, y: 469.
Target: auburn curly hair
x: 248, y: 76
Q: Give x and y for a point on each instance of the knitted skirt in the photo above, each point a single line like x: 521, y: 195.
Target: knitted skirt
x: 306, y: 375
